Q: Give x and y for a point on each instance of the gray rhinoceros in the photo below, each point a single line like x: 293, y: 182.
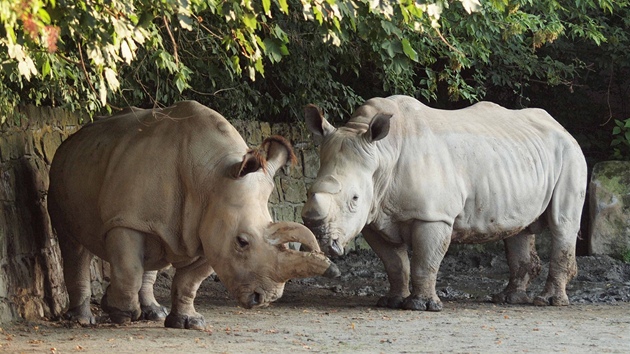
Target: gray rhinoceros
x: 179, y: 186
x: 409, y: 176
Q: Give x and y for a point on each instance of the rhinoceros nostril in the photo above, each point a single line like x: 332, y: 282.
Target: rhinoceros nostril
x: 336, y: 248
x: 255, y: 299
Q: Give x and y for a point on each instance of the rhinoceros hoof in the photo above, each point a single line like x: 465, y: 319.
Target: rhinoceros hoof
x: 81, y: 316
x: 153, y: 312
x: 554, y: 300
x: 514, y: 298
x: 185, y: 322
x: 117, y: 315
x: 418, y: 303
x: 393, y: 302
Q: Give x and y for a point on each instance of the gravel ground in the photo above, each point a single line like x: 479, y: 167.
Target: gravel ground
x: 338, y: 315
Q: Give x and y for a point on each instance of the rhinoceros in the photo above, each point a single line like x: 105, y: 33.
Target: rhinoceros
x: 412, y: 177
x: 177, y: 186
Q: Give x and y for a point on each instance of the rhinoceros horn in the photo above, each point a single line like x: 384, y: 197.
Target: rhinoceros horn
x: 297, y: 264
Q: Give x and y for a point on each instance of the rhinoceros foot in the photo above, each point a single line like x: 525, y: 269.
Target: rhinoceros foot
x: 420, y: 303
x: 393, y: 302
x: 117, y: 315
x: 514, y: 298
x: 553, y: 300
x: 81, y: 315
x: 186, y: 322
x: 153, y: 312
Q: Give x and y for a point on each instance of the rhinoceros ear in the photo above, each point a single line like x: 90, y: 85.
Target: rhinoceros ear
x: 252, y: 162
x: 279, y: 153
x: 379, y: 127
x: 316, y: 122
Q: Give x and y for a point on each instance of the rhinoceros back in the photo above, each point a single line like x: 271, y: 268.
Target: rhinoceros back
x: 485, y: 169
x: 144, y: 169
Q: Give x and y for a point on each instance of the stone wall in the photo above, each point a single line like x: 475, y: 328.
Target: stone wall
x: 31, y: 280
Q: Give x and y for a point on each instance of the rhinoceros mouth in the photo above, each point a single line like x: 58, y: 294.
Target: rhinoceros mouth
x: 327, y: 237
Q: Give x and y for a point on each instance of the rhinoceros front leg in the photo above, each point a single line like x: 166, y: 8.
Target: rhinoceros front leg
x: 76, y: 271
x: 151, y: 309
x: 125, y: 252
x: 524, y: 265
x: 183, y: 291
x: 396, y: 262
x: 429, y: 242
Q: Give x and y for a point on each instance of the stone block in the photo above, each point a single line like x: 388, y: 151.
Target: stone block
x: 265, y: 129
x: 293, y: 190
x: 50, y: 141
x: 281, y: 129
x: 254, y: 132
x: 283, y: 213
x: 12, y: 146
x: 7, y: 184
x: 609, y: 201
x: 310, y: 159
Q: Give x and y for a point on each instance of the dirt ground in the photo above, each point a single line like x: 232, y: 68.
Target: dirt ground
x: 338, y: 316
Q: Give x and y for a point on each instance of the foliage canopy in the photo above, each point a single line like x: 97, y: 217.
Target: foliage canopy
x: 266, y: 59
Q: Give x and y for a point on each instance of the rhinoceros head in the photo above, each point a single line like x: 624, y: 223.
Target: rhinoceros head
x: 246, y: 248
x: 341, y: 199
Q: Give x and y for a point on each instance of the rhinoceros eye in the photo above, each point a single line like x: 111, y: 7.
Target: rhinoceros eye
x: 353, y: 202
x: 242, y: 241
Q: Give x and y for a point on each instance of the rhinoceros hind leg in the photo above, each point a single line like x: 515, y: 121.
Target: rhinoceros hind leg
x: 564, y: 213
x: 76, y: 272
x: 392, y: 302
x: 195, y: 321
x: 420, y: 303
x: 153, y: 312
x: 150, y: 308
x: 562, y: 268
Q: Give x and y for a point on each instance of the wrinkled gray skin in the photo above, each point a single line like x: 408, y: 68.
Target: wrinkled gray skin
x: 411, y: 177
x: 149, y: 188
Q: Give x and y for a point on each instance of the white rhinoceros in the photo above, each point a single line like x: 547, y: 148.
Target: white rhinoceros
x: 179, y: 186
x: 409, y: 176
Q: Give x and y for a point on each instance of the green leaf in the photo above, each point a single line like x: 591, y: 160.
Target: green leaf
x: 284, y: 7
x: 409, y: 51
x: 616, y: 130
x: 44, y: 16
x: 250, y: 20
x: 389, y: 48
x: 185, y: 21
x: 267, y: 7
x: 46, y: 68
